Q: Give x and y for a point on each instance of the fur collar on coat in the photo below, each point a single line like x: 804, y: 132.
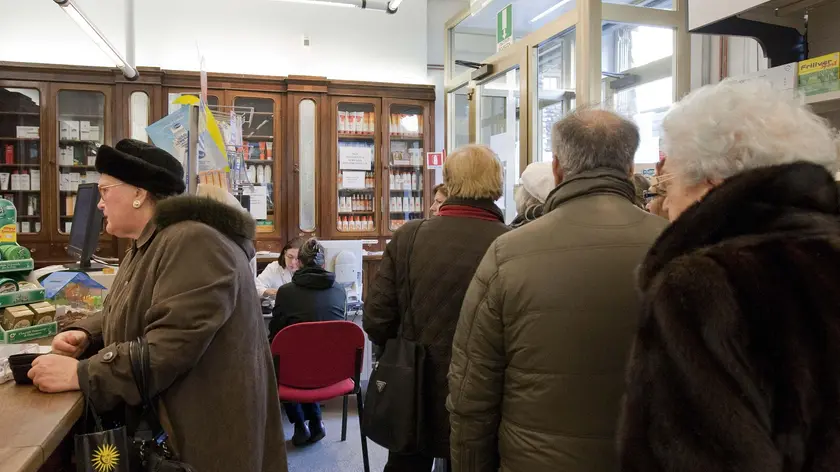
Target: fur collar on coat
x: 736, y: 364
x: 234, y: 223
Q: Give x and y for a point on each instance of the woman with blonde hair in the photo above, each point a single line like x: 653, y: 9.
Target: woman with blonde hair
x: 442, y: 255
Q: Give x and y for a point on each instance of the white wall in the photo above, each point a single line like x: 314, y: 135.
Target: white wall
x: 245, y: 36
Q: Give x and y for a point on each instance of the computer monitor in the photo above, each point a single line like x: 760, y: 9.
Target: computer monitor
x: 85, y: 228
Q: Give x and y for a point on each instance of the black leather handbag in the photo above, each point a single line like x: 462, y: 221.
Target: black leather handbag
x: 150, y: 440
x: 393, y: 411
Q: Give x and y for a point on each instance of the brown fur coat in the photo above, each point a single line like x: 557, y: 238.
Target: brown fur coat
x: 736, y: 365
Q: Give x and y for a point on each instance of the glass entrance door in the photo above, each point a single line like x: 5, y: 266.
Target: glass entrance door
x: 498, y: 128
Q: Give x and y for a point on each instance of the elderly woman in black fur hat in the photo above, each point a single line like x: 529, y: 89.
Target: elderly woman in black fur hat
x: 186, y: 286
x: 736, y: 364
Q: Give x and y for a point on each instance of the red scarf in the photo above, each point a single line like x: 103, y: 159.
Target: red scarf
x: 464, y: 211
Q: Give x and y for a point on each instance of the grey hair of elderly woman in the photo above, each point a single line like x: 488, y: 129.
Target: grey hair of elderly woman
x: 721, y: 130
x: 524, y: 199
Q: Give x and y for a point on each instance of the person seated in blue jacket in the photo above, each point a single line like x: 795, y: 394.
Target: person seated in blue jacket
x: 313, y: 295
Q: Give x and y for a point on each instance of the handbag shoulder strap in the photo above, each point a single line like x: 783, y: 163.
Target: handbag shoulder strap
x: 138, y: 351
x: 408, y: 319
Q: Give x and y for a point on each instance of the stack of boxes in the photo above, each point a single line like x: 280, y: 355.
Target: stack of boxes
x: 25, y: 315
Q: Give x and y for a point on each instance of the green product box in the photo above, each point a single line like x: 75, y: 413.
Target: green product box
x: 22, y: 297
x: 29, y: 333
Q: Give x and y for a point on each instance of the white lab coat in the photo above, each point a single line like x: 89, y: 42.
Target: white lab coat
x: 273, y: 276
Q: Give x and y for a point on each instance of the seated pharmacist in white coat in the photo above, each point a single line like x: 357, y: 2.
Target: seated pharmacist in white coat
x: 279, y: 272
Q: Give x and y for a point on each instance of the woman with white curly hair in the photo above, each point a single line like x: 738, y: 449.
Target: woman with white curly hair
x: 736, y: 364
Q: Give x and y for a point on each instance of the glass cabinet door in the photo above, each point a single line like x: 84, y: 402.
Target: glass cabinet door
x: 20, y: 161
x: 81, y: 130
x: 356, y: 202
x: 406, y: 159
x: 260, y: 153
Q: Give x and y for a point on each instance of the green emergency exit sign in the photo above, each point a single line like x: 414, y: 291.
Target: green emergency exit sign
x: 504, y: 28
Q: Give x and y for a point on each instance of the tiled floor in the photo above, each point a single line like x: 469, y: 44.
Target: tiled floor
x: 330, y: 454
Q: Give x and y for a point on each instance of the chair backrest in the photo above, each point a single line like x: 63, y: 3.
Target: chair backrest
x: 318, y: 354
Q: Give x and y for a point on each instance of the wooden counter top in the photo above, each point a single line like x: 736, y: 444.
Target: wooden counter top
x: 32, y: 424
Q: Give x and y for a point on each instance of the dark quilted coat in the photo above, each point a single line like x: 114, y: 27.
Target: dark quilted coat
x: 446, y: 253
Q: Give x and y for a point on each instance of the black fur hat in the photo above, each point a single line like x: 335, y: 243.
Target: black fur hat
x: 142, y: 165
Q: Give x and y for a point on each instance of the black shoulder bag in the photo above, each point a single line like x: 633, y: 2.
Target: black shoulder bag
x: 103, y: 449
x: 393, y: 414
x: 150, y: 440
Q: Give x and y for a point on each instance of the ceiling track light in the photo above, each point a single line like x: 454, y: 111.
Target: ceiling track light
x: 128, y: 70
x: 388, y: 6
x: 549, y: 10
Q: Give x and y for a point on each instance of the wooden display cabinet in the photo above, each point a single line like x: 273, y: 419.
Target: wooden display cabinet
x: 298, y: 116
x: 355, y: 209
x: 24, y: 104
x: 406, y: 182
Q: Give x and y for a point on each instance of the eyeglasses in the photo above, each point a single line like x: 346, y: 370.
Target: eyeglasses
x: 103, y: 189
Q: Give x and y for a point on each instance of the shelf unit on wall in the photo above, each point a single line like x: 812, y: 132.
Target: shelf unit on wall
x: 780, y: 27
x: 294, y: 121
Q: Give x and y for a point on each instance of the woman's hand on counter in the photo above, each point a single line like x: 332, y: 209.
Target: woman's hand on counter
x: 270, y: 292
x: 52, y: 373
x: 70, y: 343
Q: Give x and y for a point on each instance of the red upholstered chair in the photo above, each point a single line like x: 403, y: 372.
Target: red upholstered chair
x: 320, y: 361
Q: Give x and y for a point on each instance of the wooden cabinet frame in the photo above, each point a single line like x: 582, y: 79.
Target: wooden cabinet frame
x: 48, y: 246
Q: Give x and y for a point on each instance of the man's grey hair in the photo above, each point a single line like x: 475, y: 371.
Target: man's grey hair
x: 589, y: 139
x: 721, y: 130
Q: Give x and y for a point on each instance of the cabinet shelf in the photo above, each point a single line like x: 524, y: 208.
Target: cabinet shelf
x: 356, y: 190
x: 364, y: 137
x: 21, y: 165
x: 77, y: 141
x: 19, y: 139
x: 62, y: 166
x: 406, y: 212
x: 356, y: 212
x: 29, y: 217
x: 824, y: 102
x: 401, y: 137
x: 20, y: 191
x: 259, y: 161
x: 405, y: 166
x: 22, y: 113
x: 396, y: 190
x: 80, y: 115
x: 256, y: 138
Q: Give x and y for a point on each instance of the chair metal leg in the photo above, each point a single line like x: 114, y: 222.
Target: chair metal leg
x: 344, y: 420
x: 360, y: 409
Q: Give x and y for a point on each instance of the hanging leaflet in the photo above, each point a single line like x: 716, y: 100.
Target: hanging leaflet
x: 259, y: 201
x: 355, y: 158
x: 352, y: 179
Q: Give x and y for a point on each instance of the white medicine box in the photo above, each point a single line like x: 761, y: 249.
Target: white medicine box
x: 27, y: 132
x: 69, y: 130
